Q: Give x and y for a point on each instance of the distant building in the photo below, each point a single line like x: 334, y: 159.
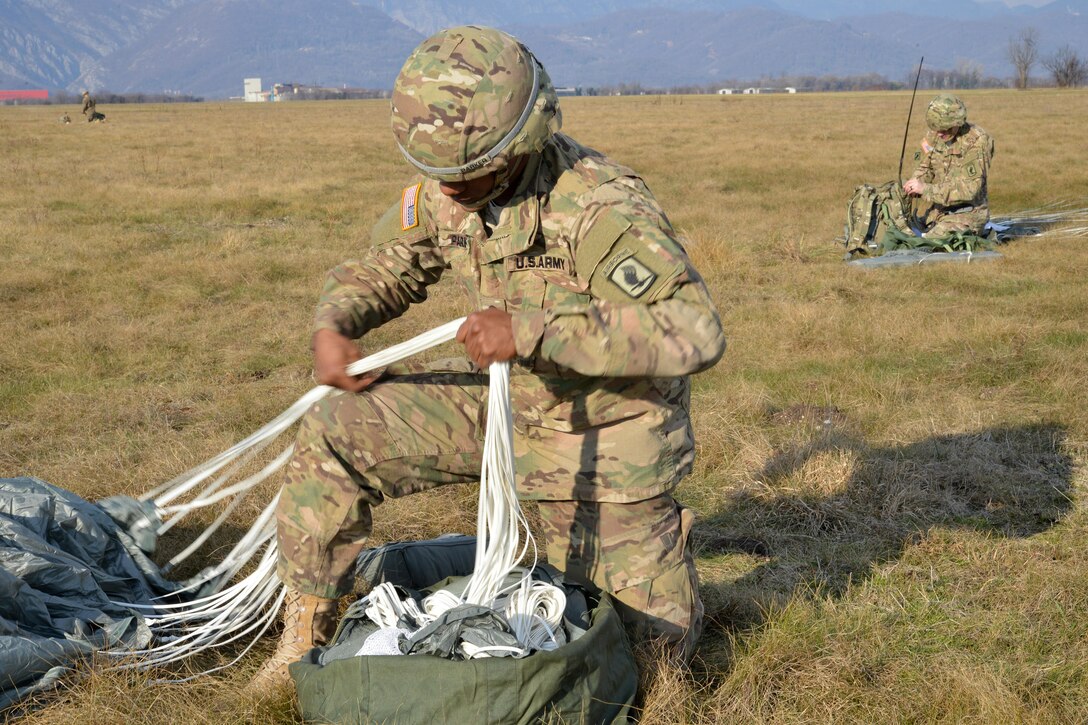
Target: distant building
x: 760, y: 91
x: 253, y: 92
x: 726, y: 91
x: 25, y: 95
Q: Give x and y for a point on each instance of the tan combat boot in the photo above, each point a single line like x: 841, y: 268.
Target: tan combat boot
x: 308, y: 621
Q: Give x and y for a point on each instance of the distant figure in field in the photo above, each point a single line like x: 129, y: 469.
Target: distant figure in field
x: 951, y: 174
x: 944, y: 204
x: 93, y: 116
x: 65, y: 118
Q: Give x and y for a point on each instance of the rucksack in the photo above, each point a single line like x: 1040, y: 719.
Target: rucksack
x: 868, y: 207
x: 862, y: 219
x: 895, y: 208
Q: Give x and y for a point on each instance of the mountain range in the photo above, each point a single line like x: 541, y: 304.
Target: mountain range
x: 206, y: 47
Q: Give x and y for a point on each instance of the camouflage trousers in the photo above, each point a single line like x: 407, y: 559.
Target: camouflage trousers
x: 939, y: 223
x: 416, y: 429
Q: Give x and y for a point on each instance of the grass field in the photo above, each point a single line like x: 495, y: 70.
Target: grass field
x: 896, y: 457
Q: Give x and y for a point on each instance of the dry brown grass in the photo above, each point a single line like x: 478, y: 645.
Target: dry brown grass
x: 897, y: 456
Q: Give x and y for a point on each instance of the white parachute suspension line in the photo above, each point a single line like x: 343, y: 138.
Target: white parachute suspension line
x: 498, y: 515
x: 251, y: 604
x: 191, y: 479
x: 534, y: 609
x: 1060, y: 218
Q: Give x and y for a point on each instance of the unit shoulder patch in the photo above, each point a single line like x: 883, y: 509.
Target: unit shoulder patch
x: 629, y: 274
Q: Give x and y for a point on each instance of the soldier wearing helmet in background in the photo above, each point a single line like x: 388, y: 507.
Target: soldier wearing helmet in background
x: 89, y: 110
x: 578, y: 279
x: 88, y: 106
x: 951, y: 173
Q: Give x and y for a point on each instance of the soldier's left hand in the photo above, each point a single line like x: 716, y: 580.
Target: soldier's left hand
x: 488, y: 336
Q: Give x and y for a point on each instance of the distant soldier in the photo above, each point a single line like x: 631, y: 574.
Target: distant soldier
x: 65, y: 118
x: 89, y: 111
x: 950, y: 206
x: 951, y: 173
x: 88, y: 106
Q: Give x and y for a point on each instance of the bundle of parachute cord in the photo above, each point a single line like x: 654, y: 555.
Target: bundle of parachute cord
x: 222, y: 611
x: 1063, y: 219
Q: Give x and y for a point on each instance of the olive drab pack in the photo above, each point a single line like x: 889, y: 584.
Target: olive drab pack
x: 592, y: 678
x: 869, y: 207
x: 862, y: 219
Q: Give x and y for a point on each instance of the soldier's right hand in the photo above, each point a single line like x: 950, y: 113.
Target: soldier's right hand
x: 333, y: 353
x: 914, y: 187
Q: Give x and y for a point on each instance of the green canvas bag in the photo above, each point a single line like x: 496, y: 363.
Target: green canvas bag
x: 862, y: 218
x: 591, y: 679
x: 869, y: 208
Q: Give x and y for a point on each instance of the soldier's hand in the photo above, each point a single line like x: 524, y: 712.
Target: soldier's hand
x: 332, y: 354
x: 488, y: 336
x: 914, y: 187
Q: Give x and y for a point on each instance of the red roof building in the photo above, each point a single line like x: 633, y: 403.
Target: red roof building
x: 28, y: 95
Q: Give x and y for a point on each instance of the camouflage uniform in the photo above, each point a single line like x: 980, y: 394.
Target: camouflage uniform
x: 609, y: 318
x: 88, y: 107
x: 954, y: 171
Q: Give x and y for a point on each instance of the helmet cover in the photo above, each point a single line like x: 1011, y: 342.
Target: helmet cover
x: 468, y: 101
x: 946, y: 112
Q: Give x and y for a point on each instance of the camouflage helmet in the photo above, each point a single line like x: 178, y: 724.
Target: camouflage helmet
x: 468, y: 101
x: 946, y: 112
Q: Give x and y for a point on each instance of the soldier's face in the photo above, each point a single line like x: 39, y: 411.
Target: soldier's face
x: 948, y: 134
x: 469, y: 194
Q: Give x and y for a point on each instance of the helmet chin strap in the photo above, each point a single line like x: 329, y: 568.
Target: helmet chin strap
x: 503, y: 181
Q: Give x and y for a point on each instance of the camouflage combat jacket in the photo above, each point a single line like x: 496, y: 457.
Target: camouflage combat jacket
x: 955, y: 172
x: 609, y: 316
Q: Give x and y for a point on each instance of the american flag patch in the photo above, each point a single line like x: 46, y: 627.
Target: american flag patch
x: 409, y: 219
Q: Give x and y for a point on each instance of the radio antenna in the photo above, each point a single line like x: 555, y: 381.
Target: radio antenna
x: 906, y: 131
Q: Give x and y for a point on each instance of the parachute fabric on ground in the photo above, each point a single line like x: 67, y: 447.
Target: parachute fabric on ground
x: 77, y: 577
x: 184, y: 618
x: 61, y: 564
x: 1057, y: 219
x: 1060, y: 219
x: 248, y: 607
x: 908, y: 257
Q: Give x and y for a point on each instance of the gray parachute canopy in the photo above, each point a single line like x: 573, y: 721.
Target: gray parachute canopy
x: 67, y: 570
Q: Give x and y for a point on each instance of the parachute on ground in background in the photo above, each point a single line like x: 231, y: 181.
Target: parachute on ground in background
x: 880, y: 232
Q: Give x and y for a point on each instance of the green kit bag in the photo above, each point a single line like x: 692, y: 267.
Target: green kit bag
x: 590, y: 679
x: 868, y: 208
x: 862, y: 218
